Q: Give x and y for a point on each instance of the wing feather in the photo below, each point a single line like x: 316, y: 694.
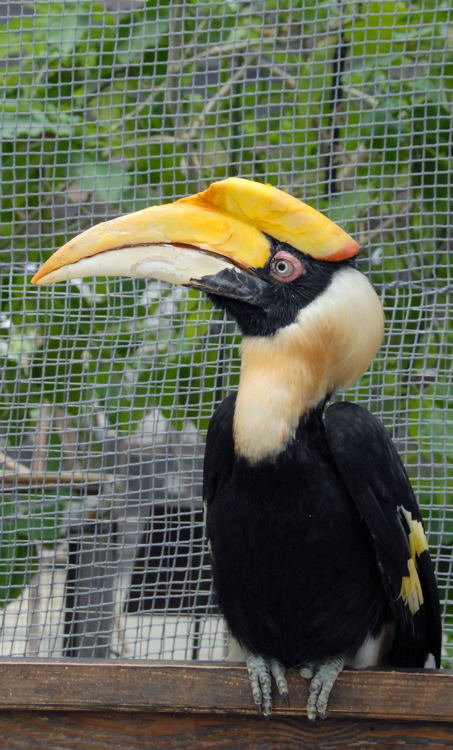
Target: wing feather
x: 378, y: 484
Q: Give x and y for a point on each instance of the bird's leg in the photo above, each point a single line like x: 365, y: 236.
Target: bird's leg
x: 322, y: 681
x: 260, y: 670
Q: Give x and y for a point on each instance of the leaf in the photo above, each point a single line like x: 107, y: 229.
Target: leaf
x: 65, y: 30
x: 12, y: 35
x: 94, y: 174
x: 42, y: 524
x: 433, y: 430
x: 137, y: 33
x: 348, y: 207
x: 18, y: 562
x: 372, y: 33
x: 22, y: 117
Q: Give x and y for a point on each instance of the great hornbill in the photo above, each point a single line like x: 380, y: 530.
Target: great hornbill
x: 318, y: 551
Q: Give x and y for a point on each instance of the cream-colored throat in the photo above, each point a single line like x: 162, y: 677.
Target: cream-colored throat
x: 283, y: 376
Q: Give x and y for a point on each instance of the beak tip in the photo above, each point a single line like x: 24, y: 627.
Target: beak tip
x: 37, y: 279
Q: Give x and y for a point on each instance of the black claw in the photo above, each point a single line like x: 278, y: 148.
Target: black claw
x: 266, y: 713
x: 262, y: 711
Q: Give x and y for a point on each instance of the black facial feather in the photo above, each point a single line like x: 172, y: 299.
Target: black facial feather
x: 278, y: 302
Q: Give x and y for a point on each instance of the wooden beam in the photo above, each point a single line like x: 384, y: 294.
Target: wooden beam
x: 214, y: 688
x: 106, y: 730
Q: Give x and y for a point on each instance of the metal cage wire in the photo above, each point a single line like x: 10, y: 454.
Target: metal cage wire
x: 107, y: 387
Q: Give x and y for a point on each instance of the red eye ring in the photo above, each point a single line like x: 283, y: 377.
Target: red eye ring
x: 285, y: 267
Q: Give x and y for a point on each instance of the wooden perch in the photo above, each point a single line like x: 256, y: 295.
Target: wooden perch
x: 197, y: 687
x: 55, y: 478
x: 99, y: 705
x: 18, y: 473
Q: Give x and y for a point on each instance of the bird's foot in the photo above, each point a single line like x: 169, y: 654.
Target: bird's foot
x: 260, y: 671
x: 322, y: 681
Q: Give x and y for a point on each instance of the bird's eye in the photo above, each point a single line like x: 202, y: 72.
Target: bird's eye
x: 286, y: 267
x: 282, y: 267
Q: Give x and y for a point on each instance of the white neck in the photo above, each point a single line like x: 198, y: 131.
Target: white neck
x: 283, y: 376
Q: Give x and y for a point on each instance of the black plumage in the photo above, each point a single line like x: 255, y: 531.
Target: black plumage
x: 309, y: 550
x: 377, y: 481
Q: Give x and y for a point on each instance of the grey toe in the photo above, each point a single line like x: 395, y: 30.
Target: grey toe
x: 321, y: 686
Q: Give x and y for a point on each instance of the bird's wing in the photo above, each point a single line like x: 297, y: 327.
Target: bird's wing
x: 219, y: 452
x: 378, y: 484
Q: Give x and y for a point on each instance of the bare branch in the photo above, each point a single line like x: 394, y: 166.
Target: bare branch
x: 39, y: 460
x: 359, y: 94
x: 55, y: 478
x: 280, y: 72
x: 382, y: 224
x: 220, y: 94
x: 69, y: 438
x: 178, y: 66
x: 366, y: 237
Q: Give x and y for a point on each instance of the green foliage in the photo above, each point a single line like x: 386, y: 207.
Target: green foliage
x: 88, y: 119
x: 22, y: 527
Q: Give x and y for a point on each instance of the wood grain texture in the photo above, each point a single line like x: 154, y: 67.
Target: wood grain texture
x: 21, y: 730
x: 189, y: 687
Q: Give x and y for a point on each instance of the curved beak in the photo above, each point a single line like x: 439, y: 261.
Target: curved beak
x: 182, y: 243
x: 213, y: 240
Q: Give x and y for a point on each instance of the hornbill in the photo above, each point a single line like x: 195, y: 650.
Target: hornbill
x: 318, y: 552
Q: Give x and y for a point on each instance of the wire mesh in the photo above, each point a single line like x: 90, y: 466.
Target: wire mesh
x: 107, y: 387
